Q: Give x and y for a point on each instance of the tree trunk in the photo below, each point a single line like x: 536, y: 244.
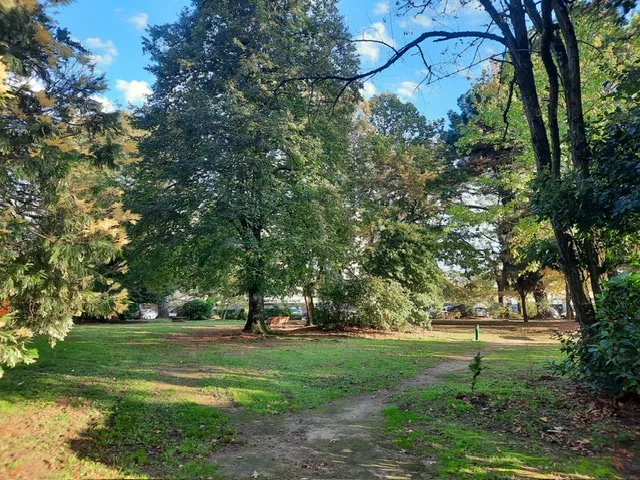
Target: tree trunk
x: 523, y: 303
x: 542, y: 302
x: 585, y: 314
x: 255, y: 317
x: 501, y: 281
x: 163, y: 306
x: 595, y: 254
x: 567, y: 301
x: 517, y: 42
x: 308, y: 301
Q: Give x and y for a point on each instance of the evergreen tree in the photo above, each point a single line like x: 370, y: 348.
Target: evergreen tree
x: 61, y: 216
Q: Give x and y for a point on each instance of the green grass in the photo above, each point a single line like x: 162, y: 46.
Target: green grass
x: 150, y: 399
x: 154, y: 400
x: 501, y: 432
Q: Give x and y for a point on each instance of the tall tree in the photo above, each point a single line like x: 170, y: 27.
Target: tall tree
x: 510, y: 25
x: 61, y: 216
x: 227, y: 164
x: 396, y: 154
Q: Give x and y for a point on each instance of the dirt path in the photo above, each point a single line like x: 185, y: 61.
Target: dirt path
x: 341, y: 440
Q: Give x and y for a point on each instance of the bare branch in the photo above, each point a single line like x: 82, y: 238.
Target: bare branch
x: 438, y: 36
x: 505, y: 113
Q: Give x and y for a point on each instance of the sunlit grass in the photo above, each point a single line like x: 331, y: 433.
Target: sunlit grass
x: 158, y: 393
x: 440, y: 423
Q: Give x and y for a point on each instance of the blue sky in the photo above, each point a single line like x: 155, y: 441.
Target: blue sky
x: 113, y: 29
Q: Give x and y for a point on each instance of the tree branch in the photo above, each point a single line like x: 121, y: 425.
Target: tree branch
x: 438, y: 36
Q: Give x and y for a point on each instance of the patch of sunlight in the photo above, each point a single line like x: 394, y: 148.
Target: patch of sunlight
x: 530, y: 473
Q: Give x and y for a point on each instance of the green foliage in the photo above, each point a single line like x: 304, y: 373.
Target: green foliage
x: 367, y: 302
x: 607, y: 355
x: 234, y: 171
x: 406, y: 254
x: 61, y: 216
x: 498, y: 311
x: 476, y: 367
x: 382, y: 304
x: 400, y: 121
x: 197, y: 310
x: 277, y: 311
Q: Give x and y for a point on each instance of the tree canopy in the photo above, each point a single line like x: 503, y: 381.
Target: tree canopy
x: 61, y: 213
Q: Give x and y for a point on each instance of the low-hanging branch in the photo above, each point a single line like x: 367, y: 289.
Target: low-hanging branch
x: 437, y: 35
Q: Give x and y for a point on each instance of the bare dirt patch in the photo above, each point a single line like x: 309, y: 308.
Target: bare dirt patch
x: 343, y: 439
x: 24, y: 457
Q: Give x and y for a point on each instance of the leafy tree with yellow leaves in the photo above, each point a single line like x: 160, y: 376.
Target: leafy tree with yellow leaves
x: 61, y: 216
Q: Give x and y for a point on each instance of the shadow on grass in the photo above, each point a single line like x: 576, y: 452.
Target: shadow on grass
x: 463, y: 452
x: 171, y: 440
x: 158, y: 397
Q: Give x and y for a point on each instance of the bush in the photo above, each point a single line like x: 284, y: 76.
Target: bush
x: 498, y: 311
x: 463, y: 310
x: 277, y: 311
x: 197, y: 310
x: 369, y: 302
x: 607, y: 355
x: 237, y: 314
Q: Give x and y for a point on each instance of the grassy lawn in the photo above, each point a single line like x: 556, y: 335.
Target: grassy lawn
x: 519, y: 423
x: 153, y: 399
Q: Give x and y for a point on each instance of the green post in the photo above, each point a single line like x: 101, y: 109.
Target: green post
x: 477, y: 332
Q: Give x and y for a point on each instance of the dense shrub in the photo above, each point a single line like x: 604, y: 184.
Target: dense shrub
x: 197, y: 310
x: 407, y: 255
x: 237, y: 314
x: 607, y: 355
x: 369, y: 302
x: 383, y: 304
x: 337, y: 305
x: 498, y: 311
x: 277, y: 311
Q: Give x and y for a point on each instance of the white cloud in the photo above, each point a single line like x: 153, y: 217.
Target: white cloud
x: 104, y: 52
x: 422, y: 20
x: 107, y: 105
x: 139, y: 20
x: 135, y: 91
x: 35, y: 84
x: 448, y: 14
x: 407, y: 89
x: 378, y: 33
x: 368, y: 90
x: 381, y: 8
x: 469, y: 8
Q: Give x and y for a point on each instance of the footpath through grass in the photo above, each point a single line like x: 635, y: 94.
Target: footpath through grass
x: 152, y: 399
x: 156, y: 400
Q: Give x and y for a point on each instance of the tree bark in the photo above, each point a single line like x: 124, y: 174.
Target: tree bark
x: 308, y: 301
x: 585, y: 314
x: 502, y: 283
x: 519, y: 48
x: 163, y: 306
x: 542, y: 301
x: 255, y: 317
x: 567, y: 301
x: 523, y: 304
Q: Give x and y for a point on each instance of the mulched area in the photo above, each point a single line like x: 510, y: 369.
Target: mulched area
x: 563, y: 325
